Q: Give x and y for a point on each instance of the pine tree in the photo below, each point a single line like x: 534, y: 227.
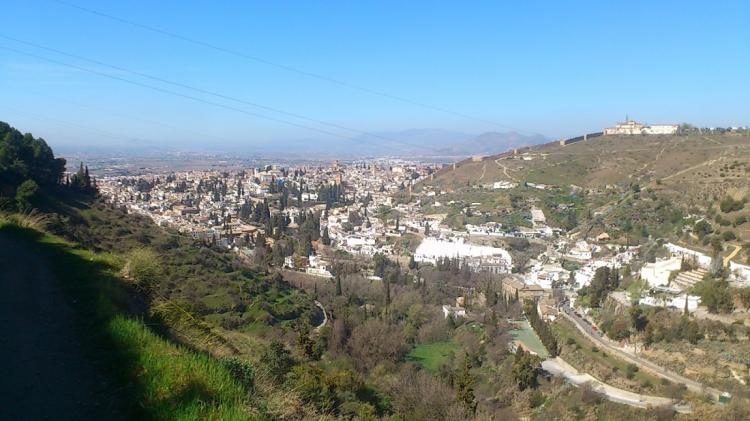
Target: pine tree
x: 465, y: 388
x: 326, y: 239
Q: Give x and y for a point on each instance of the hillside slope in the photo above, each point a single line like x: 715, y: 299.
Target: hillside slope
x: 631, y: 187
x: 693, y: 163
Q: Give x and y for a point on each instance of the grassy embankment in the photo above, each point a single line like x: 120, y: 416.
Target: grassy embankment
x: 157, y: 378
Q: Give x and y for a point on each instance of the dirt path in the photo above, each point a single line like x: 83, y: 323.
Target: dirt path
x: 47, y: 372
x: 737, y: 249
x: 325, y: 317
x: 505, y: 170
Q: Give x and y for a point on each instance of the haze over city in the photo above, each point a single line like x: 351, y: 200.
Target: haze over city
x: 199, y: 76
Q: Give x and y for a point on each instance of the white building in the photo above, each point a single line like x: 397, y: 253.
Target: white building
x: 703, y: 260
x: 432, y: 249
x: 504, y: 185
x: 453, y: 311
x: 657, y: 273
x: 631, y: 127
x: 318, y: 267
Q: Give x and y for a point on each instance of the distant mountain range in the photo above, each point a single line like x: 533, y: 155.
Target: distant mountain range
x: 413, y: 142
x: 433, y: 143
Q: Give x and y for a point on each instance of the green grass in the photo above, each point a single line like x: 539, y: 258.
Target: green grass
x: 432, y: 355
x: 526, y: 335
x: 155, y: 377
x: 173, y: 382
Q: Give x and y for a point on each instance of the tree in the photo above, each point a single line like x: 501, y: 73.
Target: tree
x: 465, y: 387
x: 277, y: 360
x: 305, y: 344
x: 412, y: 262
x: 715, y: 295
x: 638, y: 320
x: 26, y: 194
x: 338, y: 284
x: 542, y: 329
x: 605, y: 281
x: 525, y: 369
x: 326, y: 239
x: 23, y: 157
x: 374, y: 342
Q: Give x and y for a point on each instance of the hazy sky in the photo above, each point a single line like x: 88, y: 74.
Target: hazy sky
x: 556, y: 68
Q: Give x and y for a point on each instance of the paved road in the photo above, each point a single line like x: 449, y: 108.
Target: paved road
x: 594, y: 336
x: 47, y: 373
x: 559, y: 367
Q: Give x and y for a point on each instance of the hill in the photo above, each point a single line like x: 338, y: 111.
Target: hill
x: 673, y: 160
x: 617, y: 183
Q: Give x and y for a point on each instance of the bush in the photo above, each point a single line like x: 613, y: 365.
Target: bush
x: 630, y: 371
x: 143, y: 266
x: 730, y: 205
x: 536, y: 399
x: 728, y: 236
x: 702, y: 228
x: 242, y: 371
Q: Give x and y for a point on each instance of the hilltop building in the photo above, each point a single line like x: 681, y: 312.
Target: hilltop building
x: 632, y: 127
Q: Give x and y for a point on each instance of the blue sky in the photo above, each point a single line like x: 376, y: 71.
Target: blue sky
x: 556, y: 68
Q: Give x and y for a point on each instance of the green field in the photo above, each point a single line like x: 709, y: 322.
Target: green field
x: 431, y: 356
x: 526, y: 335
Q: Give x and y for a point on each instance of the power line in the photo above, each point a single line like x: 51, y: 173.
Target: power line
x: 125, y: 116
x: 178, y: 94
x: 287, y: 67
x: 205, y: 91
x: 78, y: 125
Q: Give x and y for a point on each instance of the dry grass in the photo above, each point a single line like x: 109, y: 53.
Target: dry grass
x: 31, y: 219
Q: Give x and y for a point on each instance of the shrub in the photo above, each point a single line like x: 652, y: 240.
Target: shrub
x: 728, y: 236
x: 536, y: 399
x: 630, y: 371
x: 143, y: 266
x: 242, y: 371
x: 730, y: 205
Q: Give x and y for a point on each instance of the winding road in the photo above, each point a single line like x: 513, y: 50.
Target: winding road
x: 559, y: 367
x: 595, y: 337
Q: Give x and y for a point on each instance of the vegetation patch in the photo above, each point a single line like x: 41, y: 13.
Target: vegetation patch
x: 431, y: 356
